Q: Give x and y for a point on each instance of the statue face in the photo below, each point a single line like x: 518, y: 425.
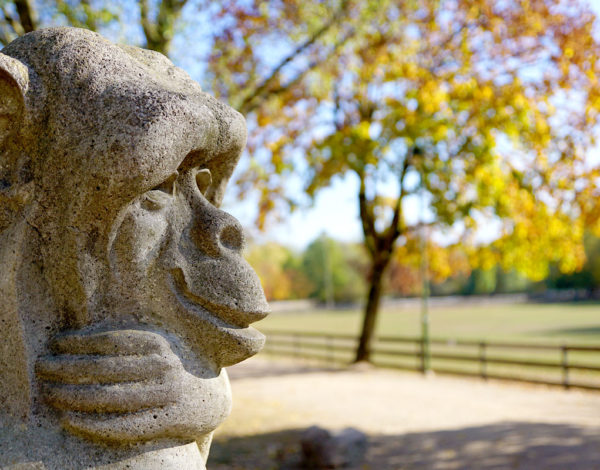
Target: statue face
x: 177, y: 263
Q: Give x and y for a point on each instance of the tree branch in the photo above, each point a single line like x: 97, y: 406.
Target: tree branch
x: 268, y: 81
x: 366, y: 217
x: 394, y: 230
x: 90, y: 20
x: 148, y: 27
x: 27, y: 16
x: 13, y: 23
x: 254, y: 102
x: 3, y: 36
x: 159, y: 34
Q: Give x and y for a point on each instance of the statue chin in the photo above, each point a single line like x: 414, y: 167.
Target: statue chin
x: 224, y: 343
x: 245, y: 343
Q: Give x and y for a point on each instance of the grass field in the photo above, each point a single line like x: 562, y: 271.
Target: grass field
x: 549, y: 323
x: 530, y: 323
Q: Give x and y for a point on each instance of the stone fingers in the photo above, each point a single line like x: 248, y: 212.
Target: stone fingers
x: 134, y: 427
x: 69, y: 369
x: 118, y: 398
x: 113, y: 343
x: 109, y: 372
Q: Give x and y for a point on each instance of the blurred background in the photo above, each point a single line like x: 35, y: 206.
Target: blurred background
x: 421, y: 190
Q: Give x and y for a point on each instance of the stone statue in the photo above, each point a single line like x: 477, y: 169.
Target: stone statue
x: 123, y: 292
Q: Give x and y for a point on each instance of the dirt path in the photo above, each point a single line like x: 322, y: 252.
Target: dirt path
x: 413, y: 422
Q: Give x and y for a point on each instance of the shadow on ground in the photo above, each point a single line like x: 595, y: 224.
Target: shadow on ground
x: 511, y: 445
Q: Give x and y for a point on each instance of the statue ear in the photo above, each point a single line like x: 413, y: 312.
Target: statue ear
x: 14, y: 80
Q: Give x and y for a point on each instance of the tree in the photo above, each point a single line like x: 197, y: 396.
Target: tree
x: 280, y: 271
x: 588, y: 277
x: 157, y: 20
x: 335, y: 270
x: 443, y: 263
x: 483, y: 109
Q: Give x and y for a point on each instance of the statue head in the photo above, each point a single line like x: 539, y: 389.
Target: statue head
x: 113, y: 164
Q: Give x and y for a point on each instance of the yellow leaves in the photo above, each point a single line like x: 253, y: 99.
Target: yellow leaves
x: 269, y: 261
x: 541, y: 126
x: 519, y: 101
x: 536, y: 236
x: 411, y: 71
x: 432, y: 96
x: 484, y: 93
x: 569, y: 52
x: 363, y: 129
x: 520, y: 231
x: 486, y: 259
x: 537, y: 25
x: 442, y: 261
x: 465, y: 88
x: 490, y: 183
x: 440, y: 132
x: 452, y: 91
x: 573, y: 260
x: 473, y: 12
x: 263, y: 119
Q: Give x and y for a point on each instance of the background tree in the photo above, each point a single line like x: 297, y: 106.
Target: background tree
x: 588, y: 277
x: 281, y: 271
x: 18, y: 17
x: 156, y: 20
x: 335, y: 269
x: 484, y: 110
x: 445, y: 264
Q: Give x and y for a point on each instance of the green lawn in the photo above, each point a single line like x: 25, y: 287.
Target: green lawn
x: 549, y: 323
x: 553, y: 324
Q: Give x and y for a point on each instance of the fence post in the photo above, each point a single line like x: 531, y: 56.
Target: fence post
x: 296, y: 346
x: 421, y: 344
x: 482, y: 360
x: 565, y: 366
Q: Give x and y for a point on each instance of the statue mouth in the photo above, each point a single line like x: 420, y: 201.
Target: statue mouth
x: 229, y: 317
x: 235, y: 339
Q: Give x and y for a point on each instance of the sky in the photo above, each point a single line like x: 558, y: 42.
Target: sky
x: 334, y: 212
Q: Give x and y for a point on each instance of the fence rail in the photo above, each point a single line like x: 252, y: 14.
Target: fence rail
x: 567, y: 365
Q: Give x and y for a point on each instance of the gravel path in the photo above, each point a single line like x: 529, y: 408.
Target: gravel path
x: 413, y: 422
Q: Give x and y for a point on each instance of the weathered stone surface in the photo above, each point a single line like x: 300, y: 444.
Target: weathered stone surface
x: 323, y: 449
x: 123, y: 290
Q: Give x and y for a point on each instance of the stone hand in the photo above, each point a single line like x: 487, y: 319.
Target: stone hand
x: 127, y: 386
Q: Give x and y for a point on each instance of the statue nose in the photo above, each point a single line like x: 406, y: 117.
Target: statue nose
x: 213, y: 231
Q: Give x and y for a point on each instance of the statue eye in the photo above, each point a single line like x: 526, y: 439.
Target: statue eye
x: 155, y: 200
x: 203, y: 180
x: 168, y: 185
x: 160, y: 196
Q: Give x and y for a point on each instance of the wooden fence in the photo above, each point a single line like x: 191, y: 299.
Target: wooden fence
x: 568, y: 366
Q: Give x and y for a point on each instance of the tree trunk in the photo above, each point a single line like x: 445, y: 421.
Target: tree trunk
x: 363, y: 353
